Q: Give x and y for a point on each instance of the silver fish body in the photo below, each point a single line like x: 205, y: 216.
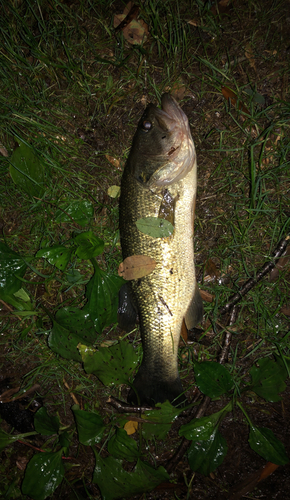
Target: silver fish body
x: 159, y: 180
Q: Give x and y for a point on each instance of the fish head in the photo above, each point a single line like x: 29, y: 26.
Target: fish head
x: 163, y: 150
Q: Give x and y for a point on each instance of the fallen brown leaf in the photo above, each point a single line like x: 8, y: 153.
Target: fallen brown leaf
x: 207, y: 297
x: 250, y: 56
x: 230, y: 95
x: 136, y: 266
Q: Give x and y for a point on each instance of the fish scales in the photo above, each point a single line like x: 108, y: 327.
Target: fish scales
x: 169, y: 293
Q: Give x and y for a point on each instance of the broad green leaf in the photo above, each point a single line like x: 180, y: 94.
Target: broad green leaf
x: 122, y: 446
x: 116, y: 483
x: 11, y: 266
x: 205, y: 456
x: 80, y: 212
x: 22, y: 294
x: 155, y: 227
x: 264, y: 442
x: 64, y: 441
x: 27, y: 171
x: 89, y: 245
x: 202, y: 428
x: 112, y: 365
x: 44, y: 423
x: 90, y: 426
x: 268, y: 378
x: 43, y: 474
x: 102, y: 294
x: 57, y: 255
x: 161, y: 420
x: 212, y: 379
x: 258, y: 98
x: 63, y: 342
x: 73, y: 326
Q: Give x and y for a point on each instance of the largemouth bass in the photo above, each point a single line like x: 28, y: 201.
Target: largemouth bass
x: 159, y: 180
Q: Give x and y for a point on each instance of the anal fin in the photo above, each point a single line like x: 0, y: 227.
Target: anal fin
x: 194, y: 312
x: 127, y: 311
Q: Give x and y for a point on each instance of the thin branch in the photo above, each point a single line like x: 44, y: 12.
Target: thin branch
x: 260, y: 275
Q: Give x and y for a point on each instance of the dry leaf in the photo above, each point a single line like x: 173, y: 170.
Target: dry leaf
x: 230, y: 95
x: 134, y: 31
x: 179, y: 91
x: 136, y: 266
x: 222, y: 7
x: 3, y: 151
x: 114, y: 191
x: 194, y: 22
x: 250, y: 55
x: 114, y: 161
x: 207, y: 297
x: 281, y: 264
x: 285, y: 310
x: 131, y: 427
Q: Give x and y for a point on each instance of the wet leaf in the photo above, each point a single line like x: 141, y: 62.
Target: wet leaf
x: 44, y: 423
x: 43, y: 474
x: 114, y: 482
x: 57, y: 255
x: 204, y: 456
x: 136, y: 266
x: 89, y: 245
x: 131, y: 427
x: 155, y: 227
x: 63, y: 342
x: 72, y: 326
x: 264, y: 442
x: 90, y: 426
x: 79, y: 212
x: 202, y: 428
x: 112, y: 365
x: 161, y: 420
x: 122, y: 446
x: 212, y: 378
x: 27, y: 171
x: 114, y: 191
x: 12, y: 267
x: 268, y: 378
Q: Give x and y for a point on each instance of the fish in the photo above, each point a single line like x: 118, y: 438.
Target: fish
x: 159, y: 180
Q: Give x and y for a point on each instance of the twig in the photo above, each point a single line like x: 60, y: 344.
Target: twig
x: 125, y: 408
x: 228, y: 337
x: 260, y: 274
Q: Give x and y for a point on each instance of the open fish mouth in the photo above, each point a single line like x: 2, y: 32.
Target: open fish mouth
x: 180, y: 155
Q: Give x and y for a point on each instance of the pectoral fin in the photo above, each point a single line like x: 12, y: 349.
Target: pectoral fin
x: 194, y: 312
x: 127, y: 311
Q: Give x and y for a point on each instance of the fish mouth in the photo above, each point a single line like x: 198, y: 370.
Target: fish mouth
x: 181, y: 154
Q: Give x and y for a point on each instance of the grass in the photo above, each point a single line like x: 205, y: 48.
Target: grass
x: 74, y: 91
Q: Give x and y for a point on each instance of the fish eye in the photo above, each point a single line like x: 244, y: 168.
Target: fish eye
x: 146, y: 125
